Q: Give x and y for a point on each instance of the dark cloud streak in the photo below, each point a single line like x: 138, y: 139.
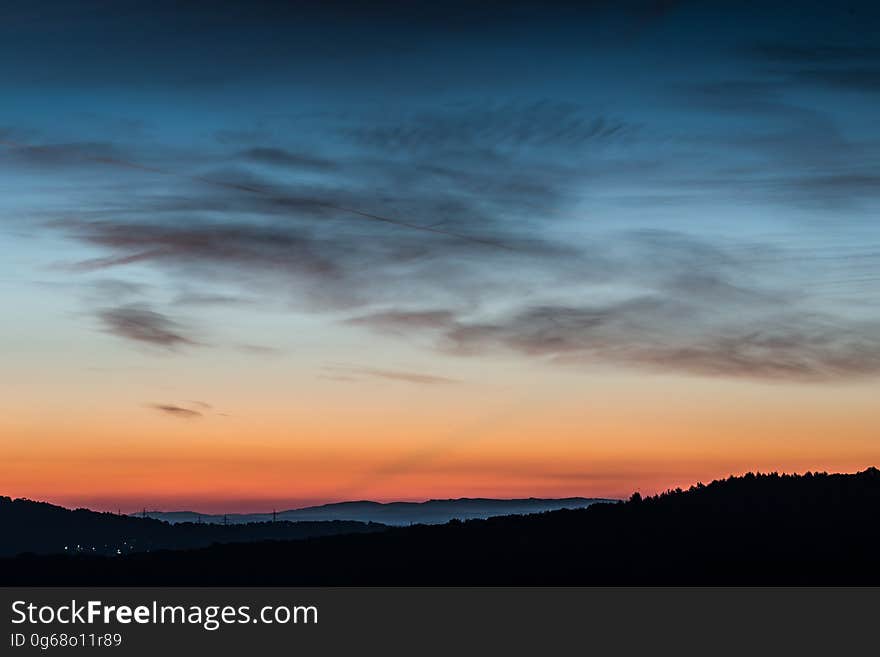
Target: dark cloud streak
x: 649, y: 334
x: 141, y: 324
x: 348, y: 373
x: 177, y: 411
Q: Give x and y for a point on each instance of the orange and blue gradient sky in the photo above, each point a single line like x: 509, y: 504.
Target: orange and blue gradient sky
x: 274, y: 255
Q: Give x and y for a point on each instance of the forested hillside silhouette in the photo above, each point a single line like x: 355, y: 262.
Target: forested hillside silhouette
x: 755, y: 529
x: 38, y: 527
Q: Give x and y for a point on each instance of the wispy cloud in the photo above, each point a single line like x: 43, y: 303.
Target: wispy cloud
x: 503, y: 127
x: 177, y: 411
x: 141, y: 324
x: 350, y: 373
x: 674, y: 335
x: 843, y: 66
x: 699, y: 308
x: 279, y: 157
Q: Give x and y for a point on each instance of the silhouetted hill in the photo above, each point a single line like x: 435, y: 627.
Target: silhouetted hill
x: 39, y: 527
x: 395, y: 513
x: 756, y: 529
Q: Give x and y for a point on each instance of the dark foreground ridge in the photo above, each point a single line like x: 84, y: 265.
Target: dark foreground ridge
x: 755, y: 529
x: 41, y: 528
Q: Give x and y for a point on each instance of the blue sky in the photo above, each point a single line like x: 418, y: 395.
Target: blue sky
x: 691, y: 165
x: 400, y: 209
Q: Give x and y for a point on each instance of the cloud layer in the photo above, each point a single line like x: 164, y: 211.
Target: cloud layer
x: 537, y: 190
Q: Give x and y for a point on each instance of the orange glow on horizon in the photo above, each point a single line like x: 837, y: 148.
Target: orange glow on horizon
x: 528, y: 432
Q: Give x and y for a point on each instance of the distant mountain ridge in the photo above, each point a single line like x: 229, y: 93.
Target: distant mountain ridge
x: 42, y: 528
x: 430, y: 512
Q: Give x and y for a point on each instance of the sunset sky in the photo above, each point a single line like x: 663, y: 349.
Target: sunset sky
x: 259, y: 255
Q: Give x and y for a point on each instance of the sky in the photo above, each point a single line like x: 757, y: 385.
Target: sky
x: 263, y: 254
